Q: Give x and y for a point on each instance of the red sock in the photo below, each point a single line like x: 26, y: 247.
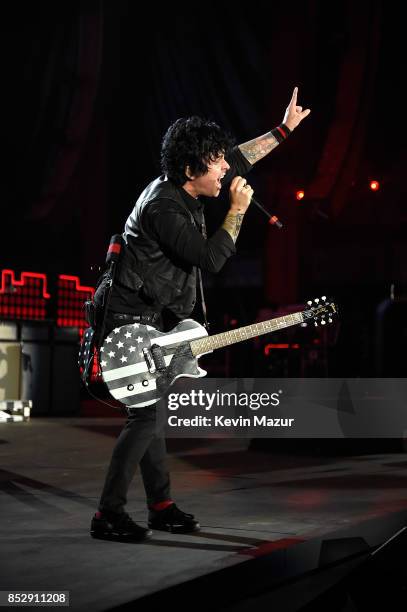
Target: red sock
x: 162, y: 505
x: 98, y: 515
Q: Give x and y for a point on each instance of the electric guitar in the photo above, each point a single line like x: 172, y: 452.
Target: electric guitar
x: 139, y: 363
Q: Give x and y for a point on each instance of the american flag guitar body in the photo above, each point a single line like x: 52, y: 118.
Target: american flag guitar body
x: 140, y: 363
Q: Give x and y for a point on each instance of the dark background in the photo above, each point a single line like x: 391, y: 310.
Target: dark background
x: 89, y: 89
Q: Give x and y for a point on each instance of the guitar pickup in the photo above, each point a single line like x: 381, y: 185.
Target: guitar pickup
x: 154, y: 358
x: 158, y: 357
x: 149, y: 361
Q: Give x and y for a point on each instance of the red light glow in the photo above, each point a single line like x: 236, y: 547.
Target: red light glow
x: 24, y: 298
x: 271, y: 346
x: 70, y: 301
x: 78, y: 287
x: 24, y: 281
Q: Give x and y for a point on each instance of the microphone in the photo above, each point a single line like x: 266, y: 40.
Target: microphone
x: 273, y: 219
x: 114, y: 250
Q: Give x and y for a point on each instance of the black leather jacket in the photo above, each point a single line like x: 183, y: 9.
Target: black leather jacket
x: 164, y: 246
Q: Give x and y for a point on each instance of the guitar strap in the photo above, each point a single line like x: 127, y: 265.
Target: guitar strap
x: 200, y: 283
x: 201, y: 226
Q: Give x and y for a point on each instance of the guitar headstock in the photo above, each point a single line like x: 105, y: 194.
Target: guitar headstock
x: 320, y: 310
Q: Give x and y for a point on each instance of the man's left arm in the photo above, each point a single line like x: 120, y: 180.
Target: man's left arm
x: 256, y: 149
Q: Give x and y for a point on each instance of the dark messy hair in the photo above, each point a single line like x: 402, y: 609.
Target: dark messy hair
x: 192, y: 142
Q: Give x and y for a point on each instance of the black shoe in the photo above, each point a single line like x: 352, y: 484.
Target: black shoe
x: 172, y: 519
x: 121, y: 527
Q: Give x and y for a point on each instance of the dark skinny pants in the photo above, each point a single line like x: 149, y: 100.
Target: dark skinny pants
x: 141, y: 443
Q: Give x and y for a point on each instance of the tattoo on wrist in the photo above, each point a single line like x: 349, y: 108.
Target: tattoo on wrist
x: 259, y: 147
x: 232, y: 225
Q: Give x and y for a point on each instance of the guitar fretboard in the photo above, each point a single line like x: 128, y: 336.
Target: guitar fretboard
x: 210, y: 343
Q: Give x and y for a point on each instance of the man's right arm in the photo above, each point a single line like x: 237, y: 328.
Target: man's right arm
x: 240, y: 196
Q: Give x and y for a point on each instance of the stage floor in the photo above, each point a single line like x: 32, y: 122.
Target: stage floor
x: 249, y: 503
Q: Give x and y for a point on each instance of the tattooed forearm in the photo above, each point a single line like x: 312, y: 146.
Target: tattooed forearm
x: 256, y: 149
x: 232, y: 225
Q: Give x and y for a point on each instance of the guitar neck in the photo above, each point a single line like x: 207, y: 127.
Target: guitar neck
x: 210, y: 343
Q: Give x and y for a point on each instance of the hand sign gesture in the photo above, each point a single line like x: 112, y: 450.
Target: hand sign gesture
x: 294, y: 114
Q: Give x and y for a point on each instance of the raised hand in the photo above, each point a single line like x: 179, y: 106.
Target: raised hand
x: 294, y: 113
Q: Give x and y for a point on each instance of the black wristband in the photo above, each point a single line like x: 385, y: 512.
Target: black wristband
x: 281, y: 132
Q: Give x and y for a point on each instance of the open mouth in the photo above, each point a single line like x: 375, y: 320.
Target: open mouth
x: 219, y: 181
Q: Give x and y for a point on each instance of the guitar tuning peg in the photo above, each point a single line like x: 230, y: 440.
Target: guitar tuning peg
x: 323, y: 322
x: 323, y: 298
x: 315, y: 323
x: 309, y: 302
x: 316, y: 300
x: 330, y: 320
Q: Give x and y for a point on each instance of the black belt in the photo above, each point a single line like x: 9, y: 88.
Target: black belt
x: 144, y: 318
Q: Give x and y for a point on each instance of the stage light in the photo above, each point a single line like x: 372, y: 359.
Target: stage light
x: 25, y: 298
x: 374, y: 185
x: 70, y: 299
x: 300, y: 194
x: 279, y: 345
